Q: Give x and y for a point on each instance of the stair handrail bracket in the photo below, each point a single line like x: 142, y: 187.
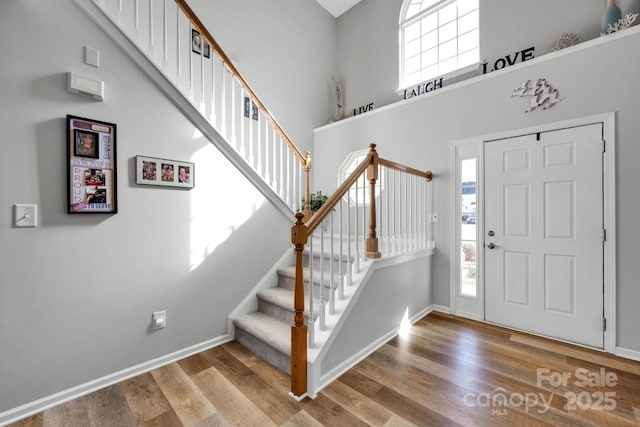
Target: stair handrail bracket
x: 314, y: 341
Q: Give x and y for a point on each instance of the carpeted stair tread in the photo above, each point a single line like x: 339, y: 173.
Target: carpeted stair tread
x: 327, y: 255
x: 283, y: 298
x: 267, y: 329
x: 290, y: 272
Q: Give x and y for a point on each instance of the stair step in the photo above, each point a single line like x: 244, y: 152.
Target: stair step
x: 327, y: 255
x: 287, y: 276
x: 278, y: 303
x: 267, y: 337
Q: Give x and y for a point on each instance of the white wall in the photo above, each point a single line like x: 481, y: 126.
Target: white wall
x: 77, y: 293
x: 286, y: 51
x: 392, y: 292
x: 368, y: 39
x: 418, y: 133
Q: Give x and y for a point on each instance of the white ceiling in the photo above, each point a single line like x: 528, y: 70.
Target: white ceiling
x: 338, y: 7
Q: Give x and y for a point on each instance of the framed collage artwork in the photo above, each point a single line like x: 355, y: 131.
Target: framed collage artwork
x: 91, y: 166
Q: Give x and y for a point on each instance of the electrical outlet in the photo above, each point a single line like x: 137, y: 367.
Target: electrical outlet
x: 25, y: 215
x: 433, y: 217
x: 159, y: 319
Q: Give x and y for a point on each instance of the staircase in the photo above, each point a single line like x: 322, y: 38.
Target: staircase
x: 267, y: 332
x: 210, y: 91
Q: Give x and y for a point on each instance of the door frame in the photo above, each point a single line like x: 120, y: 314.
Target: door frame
x: 457, y: 150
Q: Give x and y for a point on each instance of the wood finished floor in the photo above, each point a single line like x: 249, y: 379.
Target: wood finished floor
x: 448, y: 371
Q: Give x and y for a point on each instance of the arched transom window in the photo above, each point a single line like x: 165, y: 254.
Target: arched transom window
x: 437, y: 37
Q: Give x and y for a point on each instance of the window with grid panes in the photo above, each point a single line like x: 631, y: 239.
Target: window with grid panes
x: 437, y: 37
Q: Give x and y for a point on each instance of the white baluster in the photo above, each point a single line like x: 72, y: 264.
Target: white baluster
x: 332, y: 284
x: 388, y: 191
x: 267, y: 166
x: 234, y: 115
x: 165, y: 32
x: 311, y: 332
x: 349, y: 237
x: 322, y: 302
x: 120, y: 14
x: 136, y: 15
x: 223, y: 100
x: 178, y: 47
x: 202, y: 103
x: 341, y: 264
x: 250, y: 135
x: 365, y: 216
x: 357, y: 229
x: 151, y: 28
x: 259, y: 143
x: 282, y: 176
x: 274, y: 161
x: 288, y: 180
x: 214, y: 61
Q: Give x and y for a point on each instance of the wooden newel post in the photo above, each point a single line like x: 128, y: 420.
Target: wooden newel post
x: 299, y: 237
x: 307, y: 193
x: 372, y: 176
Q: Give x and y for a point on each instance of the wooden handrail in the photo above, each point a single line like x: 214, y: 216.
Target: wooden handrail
x: 216, y: 47
x: 428, y: 175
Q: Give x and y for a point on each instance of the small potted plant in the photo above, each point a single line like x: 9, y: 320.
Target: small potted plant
x: 317, y: 200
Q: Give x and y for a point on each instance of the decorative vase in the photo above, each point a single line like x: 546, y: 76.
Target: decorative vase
x: 611, y: 15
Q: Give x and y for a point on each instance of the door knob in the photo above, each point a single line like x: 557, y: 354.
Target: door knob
x: 491, y: 246
x: 491, y: 233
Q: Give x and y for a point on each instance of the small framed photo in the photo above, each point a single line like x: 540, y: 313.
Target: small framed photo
x: 85, y: 143
x: 199, y: 44
x: 164, y: 172
x: 91, y: 166
x: 196, y: 41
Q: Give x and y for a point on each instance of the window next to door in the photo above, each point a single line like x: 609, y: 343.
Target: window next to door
x: 467, y: 222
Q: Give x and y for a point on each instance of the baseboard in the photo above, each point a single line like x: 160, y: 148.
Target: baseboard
x: 31, y: 408
x: 441, y: 308
x: 628, y: 354
x: 342, y: 368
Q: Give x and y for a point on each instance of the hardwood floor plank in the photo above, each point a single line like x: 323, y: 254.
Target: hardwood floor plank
x: 145, y: 398
x: 231, y: 403
x: 104, y: 407
x: 360, y: 383
x: 216, y: 420
x: 169, y: 418
x: 411, y: 410
x: 358, y: 404
x: 271, y: 375
x: 36, y: 420
x: 194, y: 364
x: 279, y: 407
x: 302, y: 419
x: 183, y: 395
x: 398, y: 421
x: 330, y: 413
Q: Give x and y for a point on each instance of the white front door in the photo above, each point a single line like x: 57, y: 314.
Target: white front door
x: 544, y: 233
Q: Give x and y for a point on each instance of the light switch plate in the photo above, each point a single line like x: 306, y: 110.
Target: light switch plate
x: 25, y: 215
x: 159, y: 320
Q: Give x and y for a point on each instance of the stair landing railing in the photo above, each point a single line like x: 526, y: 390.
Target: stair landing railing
x: 176, y: 41
x: 381, y: 209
